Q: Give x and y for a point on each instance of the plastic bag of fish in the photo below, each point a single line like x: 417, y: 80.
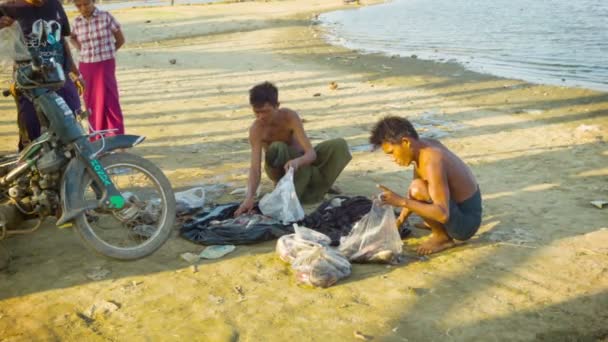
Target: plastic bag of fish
x: 374, y: 238
x: 289, y: 246
x: 315, y: 263
x: 320, y: 266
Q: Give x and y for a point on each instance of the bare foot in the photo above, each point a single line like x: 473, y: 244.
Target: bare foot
x: 334, y: 190
x: 422, y: 225
x: 434, y: 244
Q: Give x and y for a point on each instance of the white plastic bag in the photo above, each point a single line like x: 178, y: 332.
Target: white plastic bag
x: 374, y: 238
x: 320, y: 266
x: 190, y: 200
x: 282, y: 203
x: 290, y: 246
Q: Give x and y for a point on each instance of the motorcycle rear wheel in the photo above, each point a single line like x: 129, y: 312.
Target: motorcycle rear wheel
x: 146, y: 221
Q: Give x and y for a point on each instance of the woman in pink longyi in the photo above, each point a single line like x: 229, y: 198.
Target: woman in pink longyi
x: 98, y: 36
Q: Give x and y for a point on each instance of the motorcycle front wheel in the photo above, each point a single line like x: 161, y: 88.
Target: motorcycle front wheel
x: 146, y: 221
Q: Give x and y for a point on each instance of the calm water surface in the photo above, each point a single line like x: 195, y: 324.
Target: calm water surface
x: 560, y: 42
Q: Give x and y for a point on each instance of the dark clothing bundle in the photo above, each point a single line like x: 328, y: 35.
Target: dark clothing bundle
x: 217, y: 227
x: 334, y: 218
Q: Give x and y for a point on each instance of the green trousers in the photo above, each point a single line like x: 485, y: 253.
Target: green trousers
x: 311, y: 181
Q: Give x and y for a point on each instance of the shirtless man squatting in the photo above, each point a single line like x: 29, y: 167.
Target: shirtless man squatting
x: 443, y: 191
x: 279, y: 133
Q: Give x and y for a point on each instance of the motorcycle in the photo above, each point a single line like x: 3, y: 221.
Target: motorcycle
x: 121, y: 204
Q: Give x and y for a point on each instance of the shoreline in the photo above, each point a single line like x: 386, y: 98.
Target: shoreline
x: 462, y: 60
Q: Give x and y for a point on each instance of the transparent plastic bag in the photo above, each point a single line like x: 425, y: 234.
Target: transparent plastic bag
x: 307, y: 234
x: 320, y: 266
x: 290, y: 246
x: 190, y: 200
x: 282, y: 203
x: 374, y: 238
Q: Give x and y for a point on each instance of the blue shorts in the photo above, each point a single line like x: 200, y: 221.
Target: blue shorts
x: 465, y: 217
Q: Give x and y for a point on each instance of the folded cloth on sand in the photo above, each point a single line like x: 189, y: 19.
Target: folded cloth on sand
x: 311, y: 181
x: 217, y: 227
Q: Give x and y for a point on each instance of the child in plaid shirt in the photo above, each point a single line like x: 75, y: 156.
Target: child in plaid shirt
x: 97, y: 35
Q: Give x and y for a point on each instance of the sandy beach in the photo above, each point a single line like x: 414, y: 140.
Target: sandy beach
x: 537, y: 269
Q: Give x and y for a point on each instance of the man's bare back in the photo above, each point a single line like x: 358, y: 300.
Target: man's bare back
x: 460, y: 179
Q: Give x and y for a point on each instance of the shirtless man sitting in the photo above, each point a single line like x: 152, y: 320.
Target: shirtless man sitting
x: 280, y: 134
x: 444, y: 191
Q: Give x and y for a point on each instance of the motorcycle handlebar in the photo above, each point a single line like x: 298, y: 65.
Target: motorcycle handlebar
x: 36, y: 63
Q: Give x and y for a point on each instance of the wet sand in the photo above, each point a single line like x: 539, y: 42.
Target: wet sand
x: 538, y: 268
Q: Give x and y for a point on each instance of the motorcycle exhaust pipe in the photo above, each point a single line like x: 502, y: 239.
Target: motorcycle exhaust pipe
x: 16, y: 172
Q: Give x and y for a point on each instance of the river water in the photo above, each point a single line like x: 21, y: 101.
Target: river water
x: 559, y: 42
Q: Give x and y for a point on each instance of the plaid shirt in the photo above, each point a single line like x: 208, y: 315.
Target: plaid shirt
x: 96, y: 36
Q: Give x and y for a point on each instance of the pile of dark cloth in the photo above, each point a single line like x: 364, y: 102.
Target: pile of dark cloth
x: 217, y: 226
x: 334, y: 218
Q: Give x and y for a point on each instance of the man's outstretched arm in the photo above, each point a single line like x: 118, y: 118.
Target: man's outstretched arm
x: 254, y: 172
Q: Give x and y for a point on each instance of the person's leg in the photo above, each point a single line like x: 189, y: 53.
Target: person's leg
x: 465, y: 217
x: 69, y: 93
x: 418, y: 190
x: 439, y: 239
x: 27, y: 122
x: 113, y: 112
x: 279, y: 153
x: 332, y: 157
x: 275, y: 158
x: 94, y: 94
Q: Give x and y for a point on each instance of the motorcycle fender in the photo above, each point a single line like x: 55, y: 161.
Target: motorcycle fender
x: 115, y: 142
x: 70, y: 188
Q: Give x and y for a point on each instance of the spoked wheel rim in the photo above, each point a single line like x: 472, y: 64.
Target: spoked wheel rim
x: 141, y: 221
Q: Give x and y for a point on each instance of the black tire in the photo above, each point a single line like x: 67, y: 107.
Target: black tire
x: 167, y: 217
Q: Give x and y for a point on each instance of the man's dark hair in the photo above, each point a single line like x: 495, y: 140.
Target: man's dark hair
x: 392, y: 129
x: 264, y: 93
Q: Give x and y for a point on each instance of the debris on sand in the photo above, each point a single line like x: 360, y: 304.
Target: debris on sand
x: 189, y: 257
x: 359, y: 335
x: 173, y: 61
x: 599, y: 203
x: 216, y: 252
x: 98, y: 273
x: 239, y: 191
x: 587, y: 128
x: 102, y: 307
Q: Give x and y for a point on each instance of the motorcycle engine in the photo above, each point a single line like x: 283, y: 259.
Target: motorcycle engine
x: 50, y: 162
